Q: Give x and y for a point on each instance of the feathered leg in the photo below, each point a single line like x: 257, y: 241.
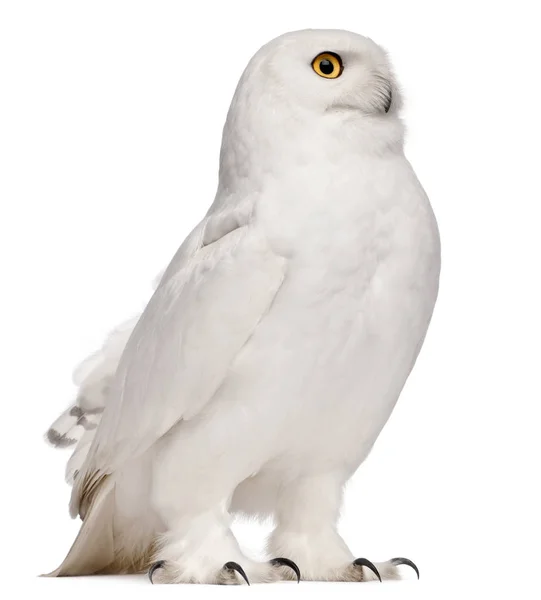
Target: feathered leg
x: 191, y: 493
x: 307, y: 514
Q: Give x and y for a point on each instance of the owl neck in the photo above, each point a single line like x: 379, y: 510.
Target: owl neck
x: 263, y: 139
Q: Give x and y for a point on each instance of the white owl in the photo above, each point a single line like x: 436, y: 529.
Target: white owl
x: 277, y: 341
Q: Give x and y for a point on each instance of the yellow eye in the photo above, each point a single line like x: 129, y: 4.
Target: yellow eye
x: 328, y: 65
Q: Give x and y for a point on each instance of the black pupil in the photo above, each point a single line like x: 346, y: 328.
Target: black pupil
x: 326, y: 66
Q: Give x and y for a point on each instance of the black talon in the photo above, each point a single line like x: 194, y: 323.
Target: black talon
x: 363, y: 562
x: 159, y: 564
x: 405, y: 561
x: 233, y: 566
x: 276, y: 562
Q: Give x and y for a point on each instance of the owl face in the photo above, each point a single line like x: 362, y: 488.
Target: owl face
x: 324, y: 71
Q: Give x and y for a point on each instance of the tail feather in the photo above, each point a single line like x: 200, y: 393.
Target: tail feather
x: 78, y: 456
x: 93, y: 550
x: 76, y: 426
x: 107, y: 542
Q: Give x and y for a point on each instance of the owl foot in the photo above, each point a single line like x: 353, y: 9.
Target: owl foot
x: 363, y: 570
x: 232, y: 573
x: 360, y: 570
x: 162, y: 572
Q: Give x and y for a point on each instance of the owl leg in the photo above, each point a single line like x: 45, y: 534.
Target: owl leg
x: 198, y: 548
x: 190, y: 494
x: 307, y: 515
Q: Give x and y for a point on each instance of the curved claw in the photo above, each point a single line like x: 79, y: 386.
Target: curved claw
x: 363, y: 562
x: 159, y: 564
x: 233, y: 566
x: 405, y: 561
x: 276, y: 562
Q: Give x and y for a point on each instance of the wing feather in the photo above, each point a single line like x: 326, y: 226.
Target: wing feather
x: 201, y: 315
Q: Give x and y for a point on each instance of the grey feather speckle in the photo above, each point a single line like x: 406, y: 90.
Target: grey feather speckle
x: 59, y: 440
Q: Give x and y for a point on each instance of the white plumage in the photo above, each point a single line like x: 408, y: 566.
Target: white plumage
x: 277, y: 342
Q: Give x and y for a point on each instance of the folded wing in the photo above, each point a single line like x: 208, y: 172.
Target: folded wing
x: 204, y: 311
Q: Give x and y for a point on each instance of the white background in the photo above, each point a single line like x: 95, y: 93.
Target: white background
x: 111, y: 116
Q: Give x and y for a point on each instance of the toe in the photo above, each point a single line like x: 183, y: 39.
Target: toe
x: 364, y: 562
x: 285, y: 562
x: 233, y: 566
x: 405, y: 561
x: 159, y: 564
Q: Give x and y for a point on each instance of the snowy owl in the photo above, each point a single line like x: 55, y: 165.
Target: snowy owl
x: 276, y: 343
